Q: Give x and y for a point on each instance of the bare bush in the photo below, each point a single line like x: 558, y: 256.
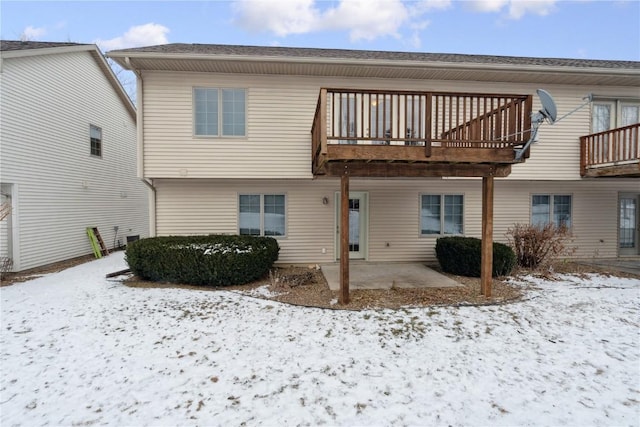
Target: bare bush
x: 537, y: 246
x: 5, y: 210
x: 6, y: 264
x: 283, y: 281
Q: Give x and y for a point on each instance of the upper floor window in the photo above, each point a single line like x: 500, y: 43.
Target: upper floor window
x: 262, y: 214
x: 219, y: 112
x: 546, y: 208
x: 609, y: 114
x: 441, y: 214
x: 95, y: 140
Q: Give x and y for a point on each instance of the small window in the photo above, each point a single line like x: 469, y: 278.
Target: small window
x: 441, y: 214
x: 262, y: 214
x: 219, y: 112
x: 95, y: 138
x: 546, y: 208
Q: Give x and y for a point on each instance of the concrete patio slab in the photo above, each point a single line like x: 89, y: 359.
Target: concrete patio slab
x: 384, y: 275
x: 628, y: 265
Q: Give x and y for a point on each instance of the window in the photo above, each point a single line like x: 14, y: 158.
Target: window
x: 609, y: 114
x: 219, y: 112
x: 95, y: 138
x: 262, y: 214
x: 547, y: 208
x: 441, y: 214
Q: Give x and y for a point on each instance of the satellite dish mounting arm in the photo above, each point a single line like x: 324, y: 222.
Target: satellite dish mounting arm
x: 549, y: 113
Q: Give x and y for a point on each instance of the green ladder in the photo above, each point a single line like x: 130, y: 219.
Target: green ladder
x: 97, y: 244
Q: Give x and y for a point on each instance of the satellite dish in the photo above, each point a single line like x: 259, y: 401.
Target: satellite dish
x: 549, y: 110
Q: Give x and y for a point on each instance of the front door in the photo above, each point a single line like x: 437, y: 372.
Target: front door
x: 358, y: 220
x: 629, y: 224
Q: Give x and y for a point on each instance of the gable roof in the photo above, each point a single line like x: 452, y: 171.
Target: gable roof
x: 214, y: 58
x: 20, y: 49
x: 8, y: 45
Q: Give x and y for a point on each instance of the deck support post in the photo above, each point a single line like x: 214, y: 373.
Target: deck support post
x: 486, y: 267
x: 344, y: 238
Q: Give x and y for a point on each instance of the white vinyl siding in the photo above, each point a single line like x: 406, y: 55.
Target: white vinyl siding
x: 59, y: 188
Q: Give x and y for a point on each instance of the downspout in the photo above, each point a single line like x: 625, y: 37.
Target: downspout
x: 140, y: 150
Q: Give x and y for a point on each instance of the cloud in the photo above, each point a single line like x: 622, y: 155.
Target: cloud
x: 281, y: 17
x: 516, y: 9
x: 363, y: 19
x: 367, y: 19
x: 140, y: 35
x: 33, y: 33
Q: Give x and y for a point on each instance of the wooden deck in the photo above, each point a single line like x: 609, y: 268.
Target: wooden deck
x: 397, y: 133
x: 613, y: 153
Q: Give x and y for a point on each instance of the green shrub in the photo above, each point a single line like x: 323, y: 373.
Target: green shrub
x: 462, y: 256
x: 202, y: 260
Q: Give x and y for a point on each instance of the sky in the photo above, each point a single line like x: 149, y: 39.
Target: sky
x: 586, y: 29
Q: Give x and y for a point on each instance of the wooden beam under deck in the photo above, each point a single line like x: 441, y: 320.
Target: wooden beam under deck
x: 631, y: 170
x: 413, y: 170
x: 336, y: 152
x: 344, y: 238
x: 486, y: 262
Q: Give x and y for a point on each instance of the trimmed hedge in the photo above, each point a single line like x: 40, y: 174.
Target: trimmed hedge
x: 462, y: 256
x: 202, y: 260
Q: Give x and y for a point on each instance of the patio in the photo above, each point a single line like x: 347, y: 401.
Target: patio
x: 385, y: 275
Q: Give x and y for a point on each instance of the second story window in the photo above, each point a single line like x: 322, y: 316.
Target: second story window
x: 95, y: 141
x: 607, y: 114
x: 219, y: 112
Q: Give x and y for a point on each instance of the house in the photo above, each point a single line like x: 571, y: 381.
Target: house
x: 68, y: 154
x: 259, y: 140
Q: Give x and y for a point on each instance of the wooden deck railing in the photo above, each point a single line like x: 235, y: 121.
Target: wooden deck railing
x: 425, y: 119
x: 610, y: 148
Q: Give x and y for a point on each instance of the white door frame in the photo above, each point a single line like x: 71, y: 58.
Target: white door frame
x: 363, y: 252
x: 635, y: 250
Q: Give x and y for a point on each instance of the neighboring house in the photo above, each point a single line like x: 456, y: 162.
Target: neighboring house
x: 254, y: 140
x: 68, y: 154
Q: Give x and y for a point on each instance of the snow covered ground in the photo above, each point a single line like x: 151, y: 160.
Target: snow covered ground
x: 78, y: 349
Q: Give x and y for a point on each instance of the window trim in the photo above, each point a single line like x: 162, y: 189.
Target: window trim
x: 442, y: 215
x: 262, y: 194
x: 99, y: 143
x: 551, y: 204
x: 616, y: 104
x: 220, y: 134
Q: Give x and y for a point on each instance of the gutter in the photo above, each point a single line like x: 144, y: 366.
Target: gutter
x: 377, y: 63
x: 140, y: 150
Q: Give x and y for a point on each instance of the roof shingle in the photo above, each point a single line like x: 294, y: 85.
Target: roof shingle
x: 9, y: 45
x: 345, y: 54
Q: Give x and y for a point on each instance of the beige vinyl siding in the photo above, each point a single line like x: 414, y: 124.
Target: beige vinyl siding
x: 47, y: 105
x: 280, y: 113
x: 210, y: 206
